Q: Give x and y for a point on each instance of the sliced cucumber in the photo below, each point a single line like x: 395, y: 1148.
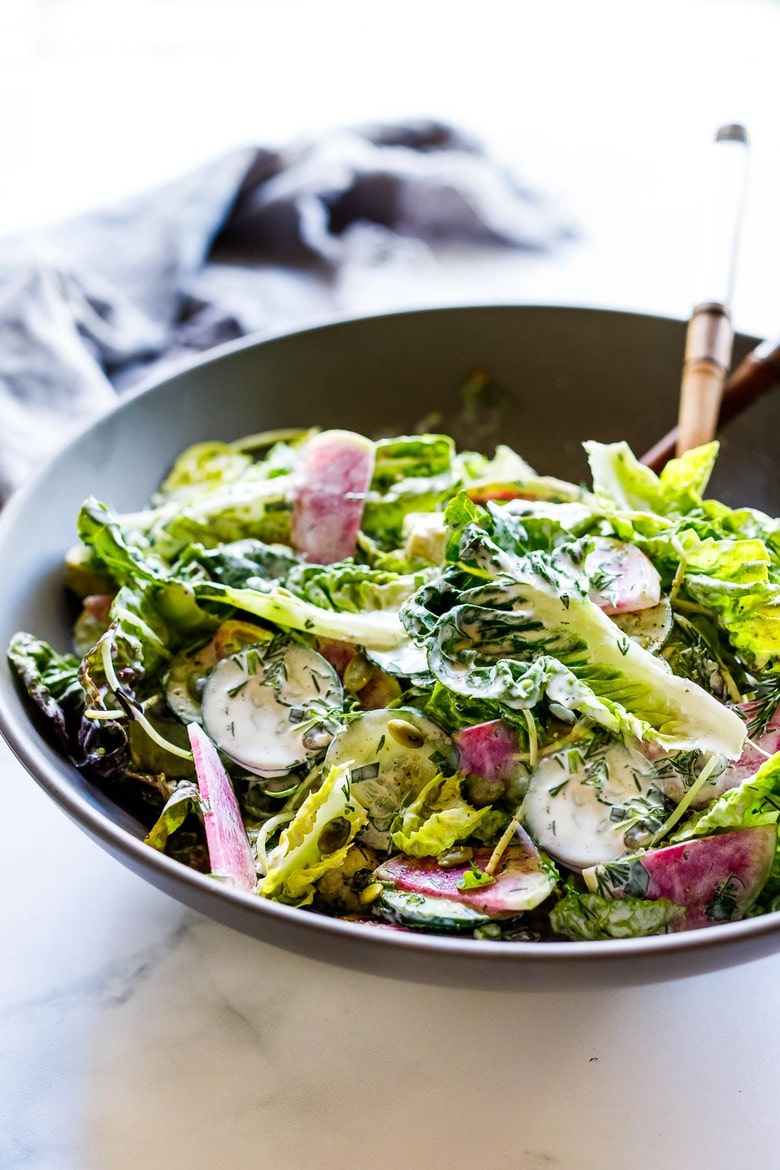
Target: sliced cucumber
x: 267, y: 707
x: 593, y: 803
x: 186, y: 681
x: 410, y: 909
x: 393, y: 753
x: 648, y: 627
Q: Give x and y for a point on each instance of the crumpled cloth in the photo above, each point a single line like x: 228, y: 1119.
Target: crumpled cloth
x: 257, y: 241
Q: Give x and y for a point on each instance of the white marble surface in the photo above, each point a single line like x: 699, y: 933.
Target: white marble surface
x: 135, y: 1033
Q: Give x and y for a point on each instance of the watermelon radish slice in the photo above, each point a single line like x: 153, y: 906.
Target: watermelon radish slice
x: 488, y: 750
x: 738, y: 771
x: 715, y: 879
x: 521, y: 881
x: 751, y: 760
x: 230, y: 853
x: 329, y: 493
x: 622, y: 578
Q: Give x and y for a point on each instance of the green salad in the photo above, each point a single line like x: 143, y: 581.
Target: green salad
x: 428, y: 690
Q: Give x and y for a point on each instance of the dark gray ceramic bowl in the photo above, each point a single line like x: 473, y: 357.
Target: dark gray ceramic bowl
x: 572, y: 373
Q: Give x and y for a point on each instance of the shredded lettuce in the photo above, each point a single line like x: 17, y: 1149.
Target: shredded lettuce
x: 301, y: 857
x: 436, y: 819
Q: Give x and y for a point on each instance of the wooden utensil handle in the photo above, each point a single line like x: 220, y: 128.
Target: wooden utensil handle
x: 707, y: 355
x: 753, y: 377
x: 709, y: 340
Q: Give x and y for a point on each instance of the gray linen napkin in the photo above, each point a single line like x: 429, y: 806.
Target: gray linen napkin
x: 254, y: 242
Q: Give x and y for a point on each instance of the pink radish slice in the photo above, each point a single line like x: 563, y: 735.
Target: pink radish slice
x: 520, y: 882
x: 329, y: 493
x: 488, y: 750
x: 715, y: 879
x: 230, y: 853
x: 623, y: 578
x: 751, y: 759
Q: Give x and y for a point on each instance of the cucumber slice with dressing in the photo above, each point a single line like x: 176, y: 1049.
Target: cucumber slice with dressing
x: 393, y: 753
x: 190, y: 668
x: 648, y: 627
x: 593, y: 804
x: 409, y: 909
x: 267, y: 707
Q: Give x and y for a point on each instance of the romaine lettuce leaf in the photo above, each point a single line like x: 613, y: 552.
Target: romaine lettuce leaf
x: 236, y: 562
x: 375, y: 631
x: 137, y: 642
x: 184, y: 800
x: 748, y: 611
x: 530, y: 630
x: 203, y: 467
x: 212, y: 466
x: 127, y: 563
x: 351, y: 588
x: 411, y: 457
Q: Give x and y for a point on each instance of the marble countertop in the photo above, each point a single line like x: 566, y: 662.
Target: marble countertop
x: 136, y: 1033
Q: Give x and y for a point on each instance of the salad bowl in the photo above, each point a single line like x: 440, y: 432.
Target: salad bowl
x: 557, y: 376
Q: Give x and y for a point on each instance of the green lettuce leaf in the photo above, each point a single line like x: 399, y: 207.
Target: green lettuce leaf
x: 298, y: 861
x: 583, y: 917
x: 184, y: 800
x: 375, y: 631
x: 621, y: 480
x: 137, y: 641
x: 126, y: 557
x: 747, y: 610
x: 436, y: 819
x: 203, y: 467
x: 212, y: 466
x: 454, y: 712
x: 236, y: 562
x: 412, y: 473
x: 411, y: 457
x: 352, y: 588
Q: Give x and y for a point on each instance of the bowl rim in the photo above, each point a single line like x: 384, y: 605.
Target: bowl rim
x: 33, y: 750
